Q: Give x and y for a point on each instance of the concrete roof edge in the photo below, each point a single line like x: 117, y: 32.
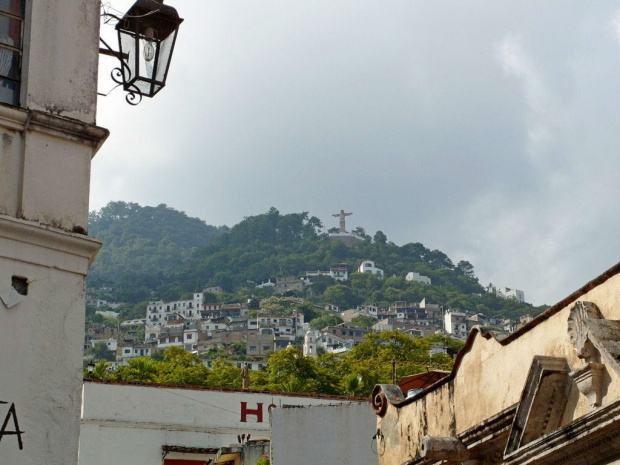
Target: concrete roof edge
x: 224, y: 389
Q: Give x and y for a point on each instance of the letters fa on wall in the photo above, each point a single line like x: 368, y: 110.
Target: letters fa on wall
x: 10, y: 421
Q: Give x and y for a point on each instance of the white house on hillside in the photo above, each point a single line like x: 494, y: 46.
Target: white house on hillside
x: 110, y: 344
x: 159, y: 312
x: 130, y: 351
x: 455, y: 324
x: 413, y: 276
x: 333, y: 344
x: 289, y: 326
x: 340, y: 272
x: 368, y: 266
x: 507, y: 293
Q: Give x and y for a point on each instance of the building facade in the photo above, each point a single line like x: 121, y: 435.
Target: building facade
x: 143, y: 425
x: 455, y: 324
x: 48, y: 100
x: 159, y: 312
x: 547, y: 394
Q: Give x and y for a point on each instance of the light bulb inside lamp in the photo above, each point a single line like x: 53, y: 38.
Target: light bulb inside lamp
x: 149, y: 50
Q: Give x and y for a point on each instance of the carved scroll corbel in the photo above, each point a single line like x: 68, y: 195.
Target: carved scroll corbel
x: 580, y: 316
x: 589, y: 380
x: 383, y: 394
x: 596, y: 341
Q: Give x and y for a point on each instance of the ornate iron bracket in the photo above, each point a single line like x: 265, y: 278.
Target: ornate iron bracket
x: 134, y: 95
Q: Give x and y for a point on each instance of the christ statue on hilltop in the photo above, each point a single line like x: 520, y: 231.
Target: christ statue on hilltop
x: 342, y: 215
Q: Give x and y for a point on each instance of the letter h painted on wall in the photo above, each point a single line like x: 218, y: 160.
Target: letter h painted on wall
x: 258, y: 411
x: 245, y: 411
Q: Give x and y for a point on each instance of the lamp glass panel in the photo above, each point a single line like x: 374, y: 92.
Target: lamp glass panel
x: 164, y: 55
x: 127, y: 43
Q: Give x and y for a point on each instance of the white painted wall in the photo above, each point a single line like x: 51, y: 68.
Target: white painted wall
x: 46, y: 147
x: 339, y: 434
x: 128, y: 424
x: 41, y: 341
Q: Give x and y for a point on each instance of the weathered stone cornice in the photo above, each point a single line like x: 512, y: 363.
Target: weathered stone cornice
x: 573, y: 444
x: 21, y: 120
x: 37, y: 244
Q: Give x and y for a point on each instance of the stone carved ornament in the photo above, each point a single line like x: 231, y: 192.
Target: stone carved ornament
x: 597, y: 342
x: 595, y: 339
x: 578, y: 329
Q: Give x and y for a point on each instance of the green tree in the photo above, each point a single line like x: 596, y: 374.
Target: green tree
x: 100, y: 351
x: 321, y: 283
x: 142, y: 369
x: 290, y: 371
x: 225, y: 374
x: 100, y: 370
x: 363, y: 321
x: 308, y: 311
x: 279, y: 305
x: 340, y: 295
x: 380, y: 238
x: 326, y: 319
x: 466, y: 269
x: 353, y: 384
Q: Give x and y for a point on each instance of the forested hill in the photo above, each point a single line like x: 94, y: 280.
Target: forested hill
x: 158, y: 252
x: 151, y: 242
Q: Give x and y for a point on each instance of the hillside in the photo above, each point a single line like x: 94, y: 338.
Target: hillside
x: 158, y: 252
x: 144, y: 247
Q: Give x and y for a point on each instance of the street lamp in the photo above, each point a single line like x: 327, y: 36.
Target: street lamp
x: 91, y: 368
x: 146, y: 37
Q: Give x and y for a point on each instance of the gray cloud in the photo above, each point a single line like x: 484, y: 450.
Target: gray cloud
x: 486, y: 129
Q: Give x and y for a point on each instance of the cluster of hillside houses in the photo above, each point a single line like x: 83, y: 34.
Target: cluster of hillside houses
x: 200, y: 326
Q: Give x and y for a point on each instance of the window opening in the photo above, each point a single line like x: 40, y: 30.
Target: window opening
x: 20, y: 284
x: 11, y: 46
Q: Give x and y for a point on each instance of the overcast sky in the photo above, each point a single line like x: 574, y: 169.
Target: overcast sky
x: 488, y: 130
